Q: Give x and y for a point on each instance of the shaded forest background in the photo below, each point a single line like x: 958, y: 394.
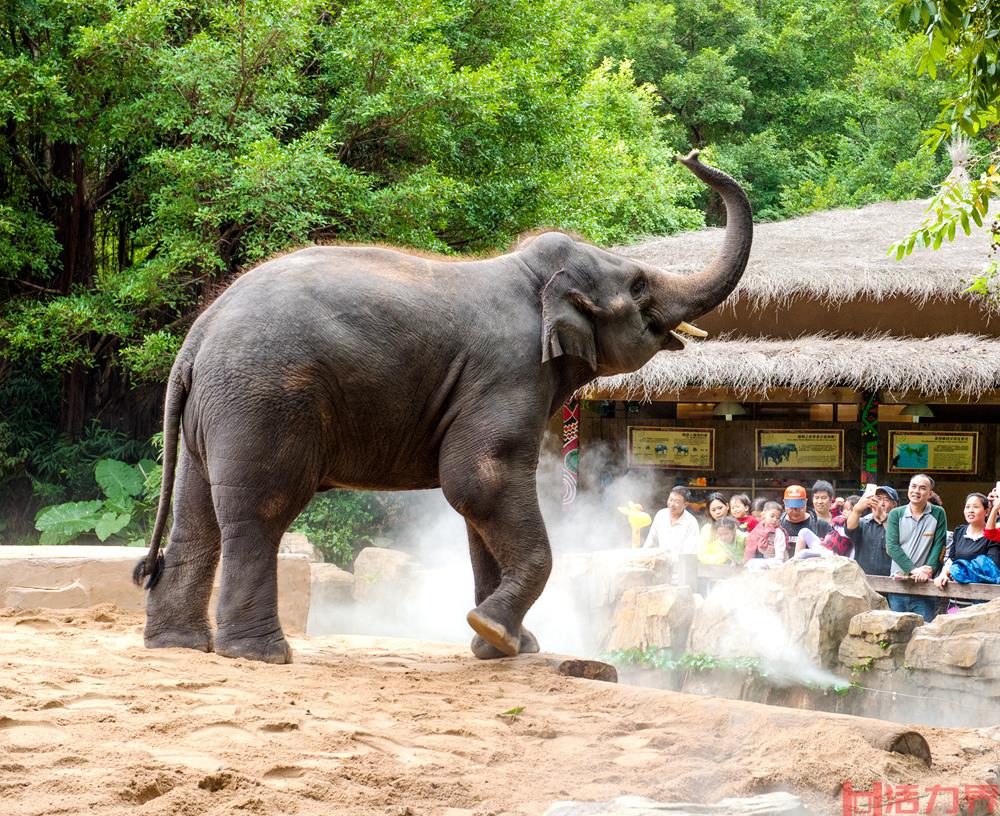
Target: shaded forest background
x: 151, y: 149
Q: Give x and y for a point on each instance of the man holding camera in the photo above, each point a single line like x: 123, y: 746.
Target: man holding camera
x: 866, y: 528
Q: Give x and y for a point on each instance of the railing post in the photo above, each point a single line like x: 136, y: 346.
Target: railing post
x: 570, y: 450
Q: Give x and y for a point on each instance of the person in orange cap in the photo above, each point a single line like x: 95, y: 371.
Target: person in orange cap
x: 797, y: 518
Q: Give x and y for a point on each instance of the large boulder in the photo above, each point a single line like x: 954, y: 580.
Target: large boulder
x: 877, y: 640
x: 381, y: 574
x: 298, y: 544
x: 79, y: 577
x: 651, y: 617
x: 594, y: 583
x: 952, y: 649
x: 797, y: 612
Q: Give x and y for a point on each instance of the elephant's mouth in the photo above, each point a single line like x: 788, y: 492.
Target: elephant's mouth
x: 685, y: 331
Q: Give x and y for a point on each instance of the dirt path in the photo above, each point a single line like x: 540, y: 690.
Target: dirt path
x: 91, y: 722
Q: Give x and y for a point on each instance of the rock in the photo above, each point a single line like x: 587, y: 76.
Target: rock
x: 966, y: 644
x: 330, y: 585
x: 884, y: 624
x: 297, y: 543
x: 658, y: 616
x: 794, y: 614
x: 69, y: 577
x: 766, y: 804
x: 383, y: 574
x: 877, y: 640
x: 596, y: 581
x: 79, y: 577
x: 71, y: 596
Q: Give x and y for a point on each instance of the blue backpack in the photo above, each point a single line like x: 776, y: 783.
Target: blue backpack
x: 980, y: 570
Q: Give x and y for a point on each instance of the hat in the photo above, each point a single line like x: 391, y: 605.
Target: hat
x: 889, y: 491
x: 795, y: 496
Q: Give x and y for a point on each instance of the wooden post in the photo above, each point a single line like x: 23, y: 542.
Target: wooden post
x: 570, y: 450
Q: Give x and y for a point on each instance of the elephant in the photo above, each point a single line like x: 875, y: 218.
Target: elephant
x: 682, y: 450
x: 777, y: 453
x: 368, y: 367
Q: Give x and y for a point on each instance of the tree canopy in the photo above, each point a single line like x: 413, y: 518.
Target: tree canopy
x: 151, y: 150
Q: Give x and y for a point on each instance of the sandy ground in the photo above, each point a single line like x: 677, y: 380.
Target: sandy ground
x: 91, y: 722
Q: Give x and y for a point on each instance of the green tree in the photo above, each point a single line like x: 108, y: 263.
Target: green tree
x: 962, y: 39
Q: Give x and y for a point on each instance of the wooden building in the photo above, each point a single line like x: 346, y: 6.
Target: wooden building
x: 830, y: 361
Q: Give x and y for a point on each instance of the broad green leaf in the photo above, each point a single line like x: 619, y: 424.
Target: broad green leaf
x: 64, y: 522
x: 118, y: 479
x: 111, y: 523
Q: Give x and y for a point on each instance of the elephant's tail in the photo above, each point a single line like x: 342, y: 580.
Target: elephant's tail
x: 177, y: 393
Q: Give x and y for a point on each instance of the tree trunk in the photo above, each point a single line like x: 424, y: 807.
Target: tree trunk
x: 74, y: 220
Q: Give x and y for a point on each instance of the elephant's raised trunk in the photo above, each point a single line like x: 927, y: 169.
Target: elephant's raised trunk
x: 706, y: 290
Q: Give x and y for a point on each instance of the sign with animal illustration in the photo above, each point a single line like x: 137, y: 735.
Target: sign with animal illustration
x: 943, y: 451
x: 674, y: 448
x: 800, y: 450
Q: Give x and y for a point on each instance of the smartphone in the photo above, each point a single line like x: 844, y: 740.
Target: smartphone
x: 870, y: 489
x: 997, y: 488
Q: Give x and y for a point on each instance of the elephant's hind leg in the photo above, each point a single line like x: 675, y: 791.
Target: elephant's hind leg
x: 486, y: 574
x: 252, y: 520
x: 177, y: 606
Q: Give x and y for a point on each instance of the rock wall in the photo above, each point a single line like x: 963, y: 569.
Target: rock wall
x: 798, y: 611
x: 77, y: 577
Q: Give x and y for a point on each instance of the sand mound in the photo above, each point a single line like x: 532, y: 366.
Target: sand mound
x: 91, y: 722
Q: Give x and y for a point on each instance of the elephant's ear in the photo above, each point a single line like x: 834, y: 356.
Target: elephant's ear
x: 567, y: 321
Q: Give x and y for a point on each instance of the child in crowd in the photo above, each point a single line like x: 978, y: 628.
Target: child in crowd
x: 725, y: 545
x: 767, y: 544
x: 757, y: 509
x: 739, y: 509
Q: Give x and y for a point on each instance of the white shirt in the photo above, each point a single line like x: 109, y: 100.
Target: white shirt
x: 680, y: 536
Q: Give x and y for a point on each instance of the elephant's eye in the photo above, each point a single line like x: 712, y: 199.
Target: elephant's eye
x: 638, y: 287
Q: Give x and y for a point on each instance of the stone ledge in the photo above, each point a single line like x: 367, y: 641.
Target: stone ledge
x: 78, y: 577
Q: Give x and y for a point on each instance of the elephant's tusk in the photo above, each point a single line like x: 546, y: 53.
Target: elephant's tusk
x: 694, y: 331
x: 680, y: 337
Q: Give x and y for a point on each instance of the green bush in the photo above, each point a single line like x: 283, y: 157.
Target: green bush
x: 126, y: 512
x: 338, y: 522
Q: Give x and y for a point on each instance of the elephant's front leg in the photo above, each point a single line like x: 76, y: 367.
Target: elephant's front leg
x: 486, y: 574
x: 500, y: 503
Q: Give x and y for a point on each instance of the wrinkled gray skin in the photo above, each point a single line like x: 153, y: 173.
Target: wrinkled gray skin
x: 363, y: 367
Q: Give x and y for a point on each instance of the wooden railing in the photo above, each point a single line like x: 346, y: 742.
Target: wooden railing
x: 882, y: 584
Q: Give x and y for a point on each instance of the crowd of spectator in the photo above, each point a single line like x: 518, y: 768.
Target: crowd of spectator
x: 908, y: 541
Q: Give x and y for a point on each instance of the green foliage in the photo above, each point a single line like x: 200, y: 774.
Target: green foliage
x: 338, y: 522
x: 961, y: 37
x: 653, y: 657
x: 126, y: 511
x: 863, y: 666
x: 150, y: 151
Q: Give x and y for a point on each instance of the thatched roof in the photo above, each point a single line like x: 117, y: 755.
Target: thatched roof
x: 834, y: 255
x: 958, y: 363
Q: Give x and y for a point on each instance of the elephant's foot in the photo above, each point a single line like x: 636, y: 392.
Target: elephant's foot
x: 200, y: 639
x: 486, y: 651
x: 488, y: 623
x: 273, y: 649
